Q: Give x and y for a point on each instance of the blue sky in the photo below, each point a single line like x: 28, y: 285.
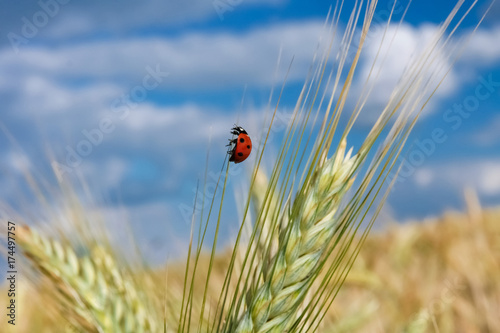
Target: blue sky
x: 67, y: 67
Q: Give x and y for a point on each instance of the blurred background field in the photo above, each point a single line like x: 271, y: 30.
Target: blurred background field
x: 437, y: 275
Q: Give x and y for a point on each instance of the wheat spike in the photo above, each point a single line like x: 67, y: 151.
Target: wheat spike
x: 287, y: 275
x: 101, y: 298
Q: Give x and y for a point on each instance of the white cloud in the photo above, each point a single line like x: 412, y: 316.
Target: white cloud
x: 93, y: 16
x: 46, y: 81
x: 40, y: 95
x: 397, y: 47
x: 424, y: 177
x: 41, y: 80
x: 167, y: 126
x: 482, y: 175
x: 222, y: 60
x: 73, y: 85
x: 194, y: 60
x: 490, y: 134
x: 483, y: 48
x: 489, y: 178
x: 108, y: 173
x: 398, y: 51
x: 18, y: 162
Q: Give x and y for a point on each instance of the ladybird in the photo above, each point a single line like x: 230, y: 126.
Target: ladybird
x: 240, y: 147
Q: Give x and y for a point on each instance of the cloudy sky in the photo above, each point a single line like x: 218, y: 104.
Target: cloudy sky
x: 130, y: 95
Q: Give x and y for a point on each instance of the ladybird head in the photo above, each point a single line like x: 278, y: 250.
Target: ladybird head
x: 237, y: 130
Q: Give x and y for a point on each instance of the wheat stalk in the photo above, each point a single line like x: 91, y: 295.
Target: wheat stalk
x: 288, y: 274
x: 99, y: 297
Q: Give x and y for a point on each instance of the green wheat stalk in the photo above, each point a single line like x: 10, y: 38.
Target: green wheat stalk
x: 288, y: 274
x: 97, y: 294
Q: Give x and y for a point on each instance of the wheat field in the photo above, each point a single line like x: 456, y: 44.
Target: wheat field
x: 437, y: 275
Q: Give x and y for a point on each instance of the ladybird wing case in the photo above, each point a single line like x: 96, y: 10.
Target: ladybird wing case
x: 242, y: 149
x: 241, y: 146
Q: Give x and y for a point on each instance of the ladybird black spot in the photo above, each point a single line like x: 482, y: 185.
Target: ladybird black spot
x: 240, y: 154
x: 242, y: 140
x: 248, y: 146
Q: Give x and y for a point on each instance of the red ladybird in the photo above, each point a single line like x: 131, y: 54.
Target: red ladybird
x: 240, y: 147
